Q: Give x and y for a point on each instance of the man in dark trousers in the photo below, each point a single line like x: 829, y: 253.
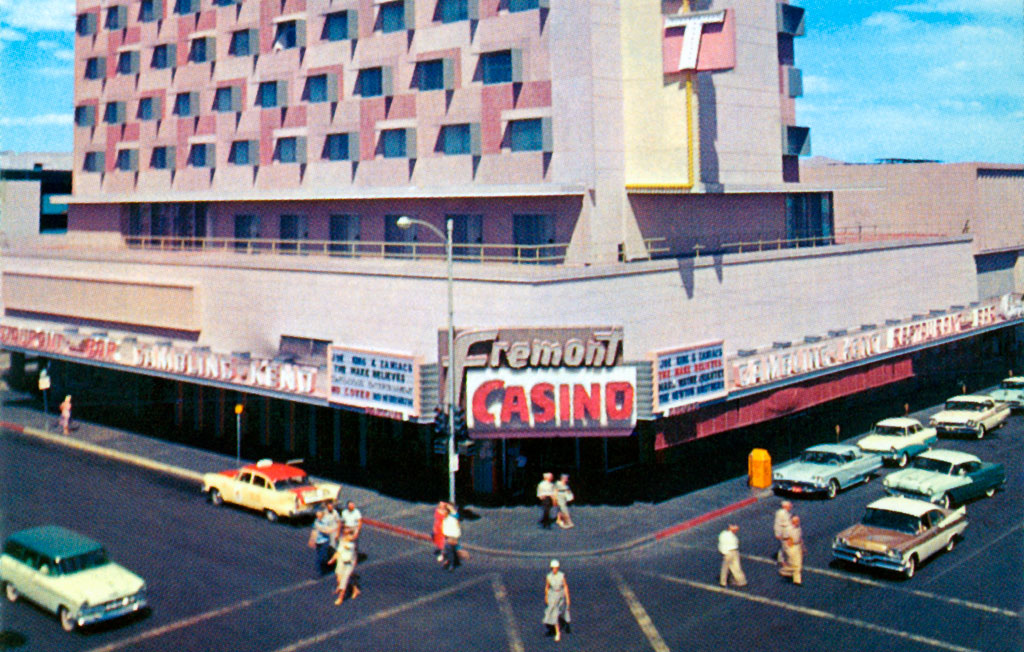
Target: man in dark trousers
x: 546, y: 496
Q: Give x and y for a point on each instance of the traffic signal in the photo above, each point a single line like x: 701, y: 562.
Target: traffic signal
x: 440, y: 421
x: 461, y: 429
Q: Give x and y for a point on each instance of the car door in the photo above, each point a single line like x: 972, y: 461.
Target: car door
x: 18, y: 568
x: 31, y: 585
x: 263, y: 493
x: 935, y: 540
x: 241, y: 493
x: 849, y: 470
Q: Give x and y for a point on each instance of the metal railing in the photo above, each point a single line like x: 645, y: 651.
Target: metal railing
x: 546, y: 254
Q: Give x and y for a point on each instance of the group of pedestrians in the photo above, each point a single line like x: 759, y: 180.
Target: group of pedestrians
x: 334, y: 537
x: 790, y: 556
x: 557, y: 496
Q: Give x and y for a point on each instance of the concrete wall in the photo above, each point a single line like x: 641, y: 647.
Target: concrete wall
x: 749, y: 300
x: 19, y: 208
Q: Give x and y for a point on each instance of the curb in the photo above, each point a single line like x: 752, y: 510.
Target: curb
x: 390, y: 528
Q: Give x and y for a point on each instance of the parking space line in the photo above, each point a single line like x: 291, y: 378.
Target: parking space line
x: 241, y: 604
x: 974, y: 554
x: 640, y: 614
x: 383, y: 614
x: 815, y: 613
x: 967, y: 604
x: 515, y: 640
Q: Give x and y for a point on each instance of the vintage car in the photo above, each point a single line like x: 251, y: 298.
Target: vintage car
x: 946, y: 478
x: 970, y: 414
x: 826, y: 469
x: 279, y: 490
x: 898, y: 439
x: 899, y: 533
x: 70, y: 575
x: 1011, y: 392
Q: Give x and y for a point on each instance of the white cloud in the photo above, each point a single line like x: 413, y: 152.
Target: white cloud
x: 54, y: 71
x: 8, y: 34
x: 45, y: 119
x: 887, y: 20
x: 973, y: 7
x: 814, y: 84
x: 47, y: 45
x: 32, y: 15
x: 64, y: 55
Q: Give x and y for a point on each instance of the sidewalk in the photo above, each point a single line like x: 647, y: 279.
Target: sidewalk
x: 506, y: 532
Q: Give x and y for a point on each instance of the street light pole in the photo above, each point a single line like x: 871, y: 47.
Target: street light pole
x: 405, y: 222
x: 238, y: 433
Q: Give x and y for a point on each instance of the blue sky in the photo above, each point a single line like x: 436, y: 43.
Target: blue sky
x: 930, y: 79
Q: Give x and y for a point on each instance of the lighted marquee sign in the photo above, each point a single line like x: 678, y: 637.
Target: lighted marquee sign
x: 534, y: 382
x: 688, y: 376
x: 384, y: 384
x: 169, y: 358
x: 771, y: 366
x: 699, y: 41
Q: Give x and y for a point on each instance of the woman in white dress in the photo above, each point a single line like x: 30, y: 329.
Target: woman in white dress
x: 564, y: 496
x: 556, y: 601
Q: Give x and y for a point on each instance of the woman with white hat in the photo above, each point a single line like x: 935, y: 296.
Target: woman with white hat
x: 556, y: 601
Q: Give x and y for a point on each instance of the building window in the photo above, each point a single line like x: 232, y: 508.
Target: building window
x: 286, y: 36
x: 241, y: 43
x: 115, y: 17
x: 451, y: 11
x: 290, y: 149
x: 530, y: 233
x: 267, y: 95
x: 127, y: 160
x: 183, y: 105
x: 316, y: 89
x: 85, y: 24
x: 392, y: 233
x: 201, y: 50
x: 224, y: 100
x: 526, y: 135
x: 93, y: 162
x: 293, y: 227
x: 159, y: 159
x: 522, y: 5
x: 163, y: 56
x: 201, y: 155
x: 127, y: 63
x: 95, y: 68
x: 393, y: 143
x: 113, y: 113
x: 371, y: 82
x: 85, y: 116
x: 336, y: 147
x: 147, y: 11
x: 336, y: 26
x: 240, y: 153
x: 430, y: 75
x: 809, y: 218
x: 497, y: 67
x: 467, y: 236
x: 391, y: 17
x: 184, y: 7
x: 145, y: 111
x: 455, y: 139
x: 247, y: 227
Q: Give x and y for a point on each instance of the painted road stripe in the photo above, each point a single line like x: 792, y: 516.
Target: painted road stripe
x: 815, y: 613
x: 515, y: 640
x: 640, y: 614
x: 967, y: 604
x: 382, y: 615
x: 242, y: 604
x: 974, y: 554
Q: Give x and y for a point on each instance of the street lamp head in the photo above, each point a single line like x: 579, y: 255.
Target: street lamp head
x: 404, y: 222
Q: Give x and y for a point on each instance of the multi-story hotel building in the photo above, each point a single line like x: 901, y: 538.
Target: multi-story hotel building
x: 613, y: 173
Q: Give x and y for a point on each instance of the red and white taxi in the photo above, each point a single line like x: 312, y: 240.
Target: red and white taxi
x: 279, y: 490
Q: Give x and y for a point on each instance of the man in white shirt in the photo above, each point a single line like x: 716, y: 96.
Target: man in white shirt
x: 352, y: 519
x: 546, y: 496
x: 729, y: 546
x: 783, y: 519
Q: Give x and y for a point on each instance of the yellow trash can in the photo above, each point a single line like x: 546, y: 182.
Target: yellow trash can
x: 759, y: 468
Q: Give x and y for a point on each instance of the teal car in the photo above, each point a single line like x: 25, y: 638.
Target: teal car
x: 946, y: 478
x: 825, y: 469
x: 70, y: 575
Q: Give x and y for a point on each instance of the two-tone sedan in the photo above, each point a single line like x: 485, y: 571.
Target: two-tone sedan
x: 1011, y: 392
x: 898, y: 439
x: 278, y: 490
x: 825, y: 469
x: 899, y: 533
x: 946, y: 478
x: 970, y: 414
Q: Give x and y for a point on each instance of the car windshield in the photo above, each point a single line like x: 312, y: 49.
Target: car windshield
x: 1011, y: 384
x: 888, y: 430
x: 819, y: 457
x: 965, y: 406
x: 291, y: 483
x: 928, y: 464
x: 91, y: 559
x: 882, y: 518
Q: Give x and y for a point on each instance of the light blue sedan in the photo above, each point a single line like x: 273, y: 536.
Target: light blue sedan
x: 826, y: 469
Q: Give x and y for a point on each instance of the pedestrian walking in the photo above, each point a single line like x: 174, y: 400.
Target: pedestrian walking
x: 546, y: 496
x: 794, y: 546
x: 320, y: 539
x: 344, y: 560
x: 440, y: 513
x: 564, y: 496
x: 556, y: 601
x: 452, y: 531
x: 782, y: 520
x: 352, y: 519
x: 65, y: 415
x: 729, y: 546
x: 332, y: 522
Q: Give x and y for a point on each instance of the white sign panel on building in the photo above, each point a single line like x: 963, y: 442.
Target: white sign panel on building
x: 688, y: 376
x: 384, y: 384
